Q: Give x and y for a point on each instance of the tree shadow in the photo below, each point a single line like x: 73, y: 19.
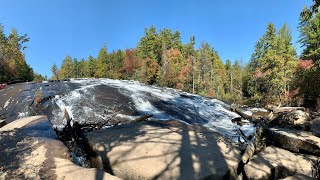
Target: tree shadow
x: 174, y: 149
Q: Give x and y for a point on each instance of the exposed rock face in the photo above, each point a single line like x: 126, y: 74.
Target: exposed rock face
x: 30, y: 150
x: 294, y: 140
x: 276, y: 163
x: 315, y: 126
x: 296, y: 118
x: 164, y: 150
x: 299, y: 176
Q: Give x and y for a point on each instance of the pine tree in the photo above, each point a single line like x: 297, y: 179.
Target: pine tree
x: 75, y: 68
x: 271, y: 67
x: 66, y: 67
x: 55, y: 71
x: 91, y: 67
x: 212, y: 74
x: 82, y: 68
x: 102, y: 63
x: 308, y: 77
x: 150, y: 45
x: 310, y: 36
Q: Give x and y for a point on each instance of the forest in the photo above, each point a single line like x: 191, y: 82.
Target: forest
x: 13, y: 66
x: 275, y: 74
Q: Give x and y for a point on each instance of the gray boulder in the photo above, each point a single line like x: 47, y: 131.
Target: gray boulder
x: 297, y: 119
x: 276, y: 163
x: 294, y: 140
x: 315, y: 126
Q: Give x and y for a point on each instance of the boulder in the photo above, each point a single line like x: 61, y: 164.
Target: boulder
x: 164, y: 150
x: 294, y: 140
x: 315, y: 126
x: 276, y: 163
x: 30, y: 150
x: 297, y: 118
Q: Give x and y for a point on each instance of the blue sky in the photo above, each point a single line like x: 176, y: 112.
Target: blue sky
x: 81, y: 27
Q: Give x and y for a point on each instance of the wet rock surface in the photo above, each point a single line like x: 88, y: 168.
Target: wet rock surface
x: 7, y: 97
x: 100, y: 100
x: 149, y: 149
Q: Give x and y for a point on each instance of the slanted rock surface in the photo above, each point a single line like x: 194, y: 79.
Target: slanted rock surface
x: 30, y: 150
x: 164, y: 150
x: 276, y: 163
x: 294, y: 140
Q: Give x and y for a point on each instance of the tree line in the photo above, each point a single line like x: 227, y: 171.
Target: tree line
x: 162, y: 59
x: 274, y: 74
x: 13, y: 66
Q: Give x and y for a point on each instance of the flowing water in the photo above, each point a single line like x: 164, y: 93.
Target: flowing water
x: 100, y: 100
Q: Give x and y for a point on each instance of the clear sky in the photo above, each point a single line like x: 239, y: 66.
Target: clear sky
x: 81, y: 27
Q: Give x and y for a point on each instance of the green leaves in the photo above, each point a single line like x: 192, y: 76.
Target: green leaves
x: 310, y: 37
x: 272, y: 65
x: 13, y: 66
x: 307, y: 78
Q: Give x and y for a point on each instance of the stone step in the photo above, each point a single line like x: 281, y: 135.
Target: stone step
x: 294, y: 140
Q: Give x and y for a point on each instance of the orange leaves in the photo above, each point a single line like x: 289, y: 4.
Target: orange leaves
x: 305, y: 64
x: 130, y: 63
x: 178, y: 69
x: 258, y: 74
x: 173, y: 53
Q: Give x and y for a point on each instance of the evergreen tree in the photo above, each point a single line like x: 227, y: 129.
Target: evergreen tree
x: 55, y: 71
x: 310, y: 37
x: 212, y: 74
x: 66, y: 67
x: 82, y: 68
x: 102, y: 63
x: 271, y: 67
x: 150, y: 45
x: 114, y: 64
x: 75, y: 68
x: 308, y: 75
x: 91, y: 67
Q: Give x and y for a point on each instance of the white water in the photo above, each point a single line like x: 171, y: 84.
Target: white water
x: 214, y: 112
x: 7, y: 103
